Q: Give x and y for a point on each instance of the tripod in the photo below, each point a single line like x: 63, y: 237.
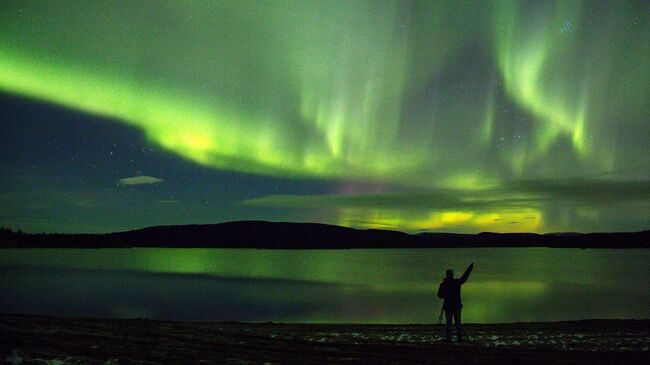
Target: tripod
x: 435, y: 333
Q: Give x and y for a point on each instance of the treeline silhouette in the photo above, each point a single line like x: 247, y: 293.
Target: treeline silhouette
x: 281, y: 235
x: 8, y: 233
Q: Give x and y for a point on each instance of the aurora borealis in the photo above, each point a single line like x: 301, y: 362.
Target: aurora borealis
x: 461, y: 116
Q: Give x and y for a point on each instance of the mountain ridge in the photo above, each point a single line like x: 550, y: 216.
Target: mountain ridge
x: 293, y: 235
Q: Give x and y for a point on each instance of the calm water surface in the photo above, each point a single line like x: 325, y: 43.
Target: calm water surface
x: 364, y: 286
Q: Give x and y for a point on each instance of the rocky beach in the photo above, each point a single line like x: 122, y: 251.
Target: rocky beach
x: 58, y: 341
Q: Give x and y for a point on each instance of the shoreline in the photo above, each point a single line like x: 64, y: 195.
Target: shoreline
x: 125, y: 341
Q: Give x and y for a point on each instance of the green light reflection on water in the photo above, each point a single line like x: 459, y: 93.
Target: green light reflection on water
x: 379, y: 286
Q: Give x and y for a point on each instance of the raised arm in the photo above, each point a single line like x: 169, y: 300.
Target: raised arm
x: 465, y: 276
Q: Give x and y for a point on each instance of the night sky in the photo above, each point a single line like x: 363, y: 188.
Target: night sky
x: 455, y: 116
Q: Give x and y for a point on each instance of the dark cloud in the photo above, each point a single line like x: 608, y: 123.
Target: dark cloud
x: 517, y: 194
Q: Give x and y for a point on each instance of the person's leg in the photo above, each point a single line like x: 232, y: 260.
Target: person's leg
x: 448, y: 318
x: 459, y: 326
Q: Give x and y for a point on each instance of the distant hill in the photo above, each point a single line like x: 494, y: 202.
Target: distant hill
x: 279, y: 235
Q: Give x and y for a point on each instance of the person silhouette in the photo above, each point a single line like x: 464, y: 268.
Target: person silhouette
x: 449, y: 290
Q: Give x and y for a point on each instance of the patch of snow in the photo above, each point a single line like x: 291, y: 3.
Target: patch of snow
x: 14, y: 358
x: 55, y: 362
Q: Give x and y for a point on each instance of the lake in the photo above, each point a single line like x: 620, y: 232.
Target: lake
x: 360, y: 286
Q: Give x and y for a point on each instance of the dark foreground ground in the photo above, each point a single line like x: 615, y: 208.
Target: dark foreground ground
x: 58, y: 341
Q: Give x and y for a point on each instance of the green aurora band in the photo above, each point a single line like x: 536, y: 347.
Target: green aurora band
x: 418, y: 94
